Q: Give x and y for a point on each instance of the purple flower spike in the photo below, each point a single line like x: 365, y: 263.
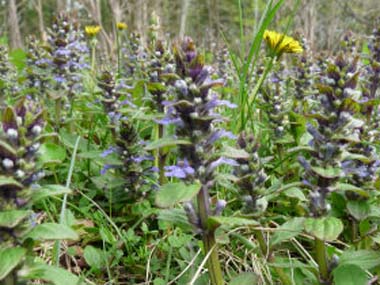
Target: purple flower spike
x: 182, y: 170
x: 105, y: 168
x: 220, y: 134
x: 220, y: 161
x: 108, y: 151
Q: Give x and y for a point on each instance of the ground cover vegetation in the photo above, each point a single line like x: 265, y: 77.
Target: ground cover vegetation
x: 163, y: 162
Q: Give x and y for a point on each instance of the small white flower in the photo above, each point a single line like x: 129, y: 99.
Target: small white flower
x: 36, y: 130
x: 20, y: 173
x: 12, y: 133
x: 19, y: 120
x: 8, y: 163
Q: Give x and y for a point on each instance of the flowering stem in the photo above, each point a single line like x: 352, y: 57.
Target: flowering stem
x: 93, y: 55
x: 118, y: 54
x: 161, y: 157
x: 267, y: 254
x: 209, y: 242
x: 11, y: 279
x: 320, y: 251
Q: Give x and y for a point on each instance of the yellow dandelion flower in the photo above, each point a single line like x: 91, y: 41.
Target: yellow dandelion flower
x: 121, y: 26
x: 92, y: 31
x: 280, y: 43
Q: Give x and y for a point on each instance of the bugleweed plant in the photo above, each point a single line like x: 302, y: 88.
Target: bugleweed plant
x: 183, y: 166
x: 21, y: 135
x: 192, y: 111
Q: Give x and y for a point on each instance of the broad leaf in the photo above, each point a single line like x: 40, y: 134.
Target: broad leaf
x: 234, y: 153
x: 9, y: 259
x: 51, y: 153
x: 326, y: 228
x: 247, y: 278
x: 57, y: 276
x: 365, y: 259
x: 8, y: 183
x: 49, y: 190
x: 10, y: 219
x: 288, y: 230
x: 349, y: 274
x: 358, y: 209
x: 165, y: 142
x: 216, y: 221
x: 51, y: 231
x: 93, y: 257
x: 329, y: 172
x: 173, y: 193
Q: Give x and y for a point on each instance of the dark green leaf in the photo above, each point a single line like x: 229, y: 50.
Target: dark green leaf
x: 10, y: 219
x: 349, y: 274
x: 247, y: 278
x: 51, y: 231
x: 9, y: 259
x: 288, y: 230
x: 365, y: 259
x: 326, y: 228
x: 173, y: 193
x: 51, y: 153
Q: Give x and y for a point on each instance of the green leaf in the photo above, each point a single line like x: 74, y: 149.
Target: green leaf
x: 173, y: 193
x: 53, y: 274
x: 295, y: 192
x: 358, y: 209
x: 50, y: 190
x: 288, y: 230
x: 349, y: 274
x: 165, y: 142
x: 246, y: 278
x: 51, y: 231
x: 365, y: 259
x: 326, y: 228
x: 9, y: 183
x: 10, y: 219
x: 329, y: 172
x: 18, y: 58
x: 93, y: 257
x: 352, y: 188
x: 6, y: 150
x: 51, y: 153
x: 297, y: 126
x: 10, y: 258
x: 216, y: 221
x: 235, y: 153
x: 175, y: 217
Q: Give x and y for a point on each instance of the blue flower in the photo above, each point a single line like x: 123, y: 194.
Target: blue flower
x: 182, y: 170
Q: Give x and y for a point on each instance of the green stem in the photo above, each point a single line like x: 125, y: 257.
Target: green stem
x: 118, y: 54
x: 161, y: 157
x: 321, y: 257
x: 265, y: 252
x: 354, y: 231
x: 58, y: 108
x: 209, y: 242
x: 10, y: 279
x: 57, y: 246
x: 93, y: 56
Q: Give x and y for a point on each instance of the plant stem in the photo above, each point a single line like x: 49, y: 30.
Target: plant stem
x: 320, y: 251
x: 10, y: 279
x: 354, y: 229
x: 268, y: 255
x: 93, y: 55
x: 161, y: 156
x: 57, y: 246
x: 118, y: 54
x: 209, y: 242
